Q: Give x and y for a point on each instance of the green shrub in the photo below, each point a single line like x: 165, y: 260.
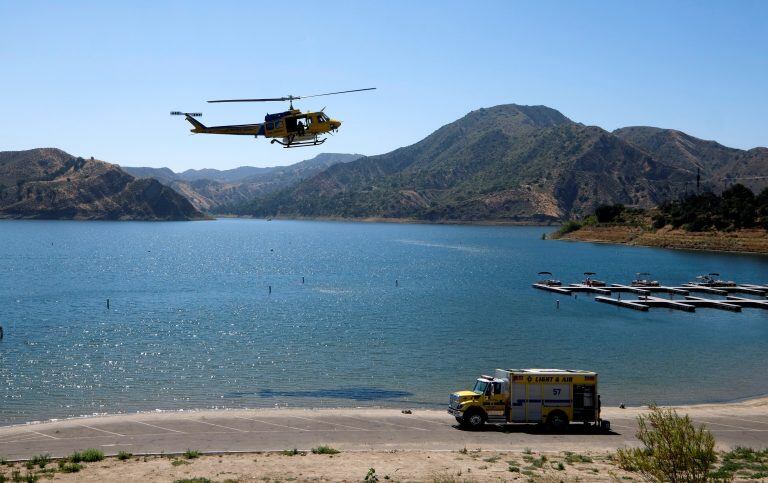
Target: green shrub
x: 191, y: 454
x: 70, y: 467
x: 674, y: 449
x: 514, y: 469
x: 197, y: 479
x: 568, y: 227
x: 371, y: 475
x: 291, y: 452
x: 325, y: 450
x: 40, y: 460
x: 742, y: 460
x: 178, y: 462
x: 123, y: 455
x: 91, y: 455
x: 609, y: 213
x: 572, y: 458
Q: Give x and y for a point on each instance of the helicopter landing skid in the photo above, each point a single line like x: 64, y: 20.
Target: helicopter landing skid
x: 299, y: 144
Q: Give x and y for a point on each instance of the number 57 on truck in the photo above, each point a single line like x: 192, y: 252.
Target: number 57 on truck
x: 555, y: 397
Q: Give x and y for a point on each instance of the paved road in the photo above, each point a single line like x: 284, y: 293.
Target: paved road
x: 347, y: 429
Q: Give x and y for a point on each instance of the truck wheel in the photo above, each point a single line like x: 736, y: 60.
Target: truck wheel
x: 557, y: 420
x: 474, y: 420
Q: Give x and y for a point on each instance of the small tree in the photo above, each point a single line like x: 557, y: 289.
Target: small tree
x: 609, y: 213
x: 675, y: 450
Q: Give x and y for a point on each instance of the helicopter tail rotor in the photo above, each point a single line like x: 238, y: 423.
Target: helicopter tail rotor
x: 190, y: 116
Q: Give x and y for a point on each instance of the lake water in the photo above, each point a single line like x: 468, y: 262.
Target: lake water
x: 388, y: 315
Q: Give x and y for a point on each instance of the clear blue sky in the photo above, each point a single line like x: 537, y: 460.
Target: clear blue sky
x: 99, y: 78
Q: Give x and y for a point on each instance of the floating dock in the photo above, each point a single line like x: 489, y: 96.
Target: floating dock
x: 747, y: 289
x: 663, y: 289
x: 690, y: 303
x: 552, y: 288
x: 711, y: 303
x: 580, y: 287
x: 745, y: 302
x: 630, y: 304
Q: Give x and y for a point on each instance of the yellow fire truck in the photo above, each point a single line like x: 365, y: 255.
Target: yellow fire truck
x: 555, y: 397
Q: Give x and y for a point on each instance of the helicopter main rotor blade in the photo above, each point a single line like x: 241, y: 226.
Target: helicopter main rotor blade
x: 271, y: 99
x: 334, y: 93
x: 290, y: 98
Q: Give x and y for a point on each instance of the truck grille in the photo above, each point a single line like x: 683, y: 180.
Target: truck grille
x: 453, y: 401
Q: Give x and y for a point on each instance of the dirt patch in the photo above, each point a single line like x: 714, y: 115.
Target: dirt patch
x: 749, y: 241
x: 464, y: 465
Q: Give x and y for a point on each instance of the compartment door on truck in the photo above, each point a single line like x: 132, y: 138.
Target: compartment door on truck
x: 557, y: 395
x: 532, y: 403
x: 517, y: 401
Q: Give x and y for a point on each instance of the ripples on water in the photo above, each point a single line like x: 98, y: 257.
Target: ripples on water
x: 191, y: 322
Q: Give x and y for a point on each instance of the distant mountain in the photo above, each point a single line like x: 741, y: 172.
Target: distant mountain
x: 224, y: 176
x: 717, y: 165
x: 512, y: 163
x: 216, y: 191
x: 51, y: 184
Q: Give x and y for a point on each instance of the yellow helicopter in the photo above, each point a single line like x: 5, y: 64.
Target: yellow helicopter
x: 290, y: 129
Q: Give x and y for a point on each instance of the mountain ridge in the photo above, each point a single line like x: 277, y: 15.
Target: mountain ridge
x: 214, y: 191
x: 509, y: 163
x: 48, y: 183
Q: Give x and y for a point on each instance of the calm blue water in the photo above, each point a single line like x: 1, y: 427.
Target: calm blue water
x: 191, y: 322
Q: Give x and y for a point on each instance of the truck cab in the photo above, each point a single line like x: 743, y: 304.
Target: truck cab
x: 555, y: 397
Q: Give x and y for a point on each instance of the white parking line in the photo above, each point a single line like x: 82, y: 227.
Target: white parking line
x: 446, y: 424
x: 273, y: 424
x: 764, y: 423
x: 385, y: 422
x: 159, y: 427
x: 621, y: 426
x: 728, y: 425
x: 335, y: 424
x: 102, y: 430
x: 43, y: 434
x: 214, y: 424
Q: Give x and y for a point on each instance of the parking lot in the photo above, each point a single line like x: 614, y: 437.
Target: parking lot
x: 346, y: 429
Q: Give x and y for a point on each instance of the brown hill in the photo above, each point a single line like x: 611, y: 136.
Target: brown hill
x: 514, y: 163
x: 51, y: 184
x: 506, y: 163
x: 216, y: 191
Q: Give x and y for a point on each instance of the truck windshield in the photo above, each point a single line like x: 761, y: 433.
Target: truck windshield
x: 480, y: 387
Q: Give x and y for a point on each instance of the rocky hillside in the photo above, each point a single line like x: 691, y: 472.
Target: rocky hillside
x: 51, y: 184
x: 513, y: 163
x: 218, y: 191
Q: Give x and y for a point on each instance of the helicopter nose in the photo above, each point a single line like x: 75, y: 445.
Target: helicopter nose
x: 335, y: 124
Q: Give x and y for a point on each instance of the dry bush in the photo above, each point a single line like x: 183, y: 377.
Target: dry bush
x: 674, y: 449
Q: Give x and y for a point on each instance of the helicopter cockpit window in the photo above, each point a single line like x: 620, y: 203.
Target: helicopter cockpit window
x: 278, y: 124
x: 322, y: 118
x: 270, y: 126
